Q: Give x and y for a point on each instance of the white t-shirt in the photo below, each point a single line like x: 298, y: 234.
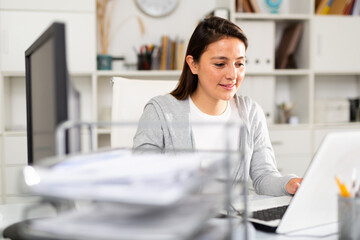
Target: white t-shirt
x: 213, y: 137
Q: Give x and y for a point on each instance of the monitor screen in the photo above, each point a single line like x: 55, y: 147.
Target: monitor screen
x: 48, y: 94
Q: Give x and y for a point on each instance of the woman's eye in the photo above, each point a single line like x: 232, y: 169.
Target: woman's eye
x: 239, y: 64
x: 219, y: 64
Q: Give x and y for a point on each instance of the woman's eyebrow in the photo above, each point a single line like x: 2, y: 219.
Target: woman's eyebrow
x: 225, y: 58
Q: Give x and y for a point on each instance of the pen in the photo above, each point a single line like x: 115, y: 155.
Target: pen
x: 343, y: 190
x: 357, y: 191
x: 353, y: 182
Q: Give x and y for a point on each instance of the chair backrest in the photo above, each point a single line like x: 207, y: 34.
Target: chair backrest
x: 128, y: 101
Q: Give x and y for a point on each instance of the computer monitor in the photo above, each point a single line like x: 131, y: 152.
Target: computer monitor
x: 50, y: 97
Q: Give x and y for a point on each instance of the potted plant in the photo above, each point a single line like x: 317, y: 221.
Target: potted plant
x: 104, y: 11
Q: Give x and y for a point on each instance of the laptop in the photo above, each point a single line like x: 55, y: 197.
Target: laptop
x: 315, y: 202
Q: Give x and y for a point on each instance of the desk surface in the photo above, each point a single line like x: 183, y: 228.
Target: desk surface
x: 11, y: 213
x: 328, y: 232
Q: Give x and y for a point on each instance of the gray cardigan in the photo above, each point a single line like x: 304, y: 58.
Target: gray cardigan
x: 164, y: 138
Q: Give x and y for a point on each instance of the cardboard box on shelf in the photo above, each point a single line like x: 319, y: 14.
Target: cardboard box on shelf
x: 332, y: 110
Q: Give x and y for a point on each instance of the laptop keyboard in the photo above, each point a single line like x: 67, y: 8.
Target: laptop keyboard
x: 270, y: 213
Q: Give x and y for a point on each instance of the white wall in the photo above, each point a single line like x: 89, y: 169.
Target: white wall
x: 180, y: 23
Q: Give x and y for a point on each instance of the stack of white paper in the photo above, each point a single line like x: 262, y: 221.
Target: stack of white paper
x: 120, y: 176
x: 137, y: 196
x: 109, y: 221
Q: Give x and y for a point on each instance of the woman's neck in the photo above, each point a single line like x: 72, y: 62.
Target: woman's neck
x: 209, y: 106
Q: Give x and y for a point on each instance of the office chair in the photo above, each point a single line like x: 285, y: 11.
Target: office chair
x: 129, y: 97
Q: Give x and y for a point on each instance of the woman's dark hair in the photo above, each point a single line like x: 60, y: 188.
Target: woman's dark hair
x: 208, y: 31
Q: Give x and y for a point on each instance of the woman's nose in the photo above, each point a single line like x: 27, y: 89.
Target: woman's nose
x: 231, y: 73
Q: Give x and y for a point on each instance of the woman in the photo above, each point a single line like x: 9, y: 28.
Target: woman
x: 213, y: 71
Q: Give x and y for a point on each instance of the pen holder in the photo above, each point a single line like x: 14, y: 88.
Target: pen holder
x: 144, y: 61
x: 349, y: 218
x: 354, y: 110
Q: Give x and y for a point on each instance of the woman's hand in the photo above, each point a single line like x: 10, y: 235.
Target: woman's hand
x: 293, y: 185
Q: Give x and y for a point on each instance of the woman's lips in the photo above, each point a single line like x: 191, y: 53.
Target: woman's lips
x: 227, y: 86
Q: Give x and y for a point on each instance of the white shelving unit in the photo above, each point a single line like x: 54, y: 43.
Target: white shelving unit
x: 21, y: 22
x: 328, y: 61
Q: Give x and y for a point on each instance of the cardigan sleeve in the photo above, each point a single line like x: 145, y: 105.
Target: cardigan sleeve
x: 266, y: 178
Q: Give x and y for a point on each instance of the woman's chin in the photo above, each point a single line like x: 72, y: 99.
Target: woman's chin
x: 228, y: 97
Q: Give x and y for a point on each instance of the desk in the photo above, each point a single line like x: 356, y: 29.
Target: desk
x: 328, y: 230
x: 11, y: 213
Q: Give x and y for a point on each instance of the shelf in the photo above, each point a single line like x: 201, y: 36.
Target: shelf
x: 13, y: 74
x: 343, y: 125
x: 268, y: 16
x: 141, y: 73
x: 278, y: 126
x: 14, y: 133
x: 103, y: 131
x: 334, y: 73
x: 335, y: 16
x: 281, y: 72
x: 14, y: 165
x: 80, y: 74
x: 22, y: 74
x: 351, y: 125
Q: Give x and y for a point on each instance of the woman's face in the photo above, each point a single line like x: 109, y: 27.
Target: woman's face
x: 220, y: 70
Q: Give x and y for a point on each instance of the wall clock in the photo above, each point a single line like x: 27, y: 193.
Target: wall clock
x: 157, y: 8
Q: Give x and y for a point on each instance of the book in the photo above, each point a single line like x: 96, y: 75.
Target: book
x: 155, y: 58
x: 239, y: 5
x: 173, y: 54
x: 179, y: 55
x: 321, y: 6
x: 338, y: 7
x: 356, y: 8
x: 164, y: 52
x: 255, y: 6
x: 327, y: 7
x: 168, y: 54
x: 349, y: 7
x: 285, y: 54
x: 247, y: 6
x: 317, y: 2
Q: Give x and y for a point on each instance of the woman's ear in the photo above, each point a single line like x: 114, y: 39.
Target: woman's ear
x: 192, y: 64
